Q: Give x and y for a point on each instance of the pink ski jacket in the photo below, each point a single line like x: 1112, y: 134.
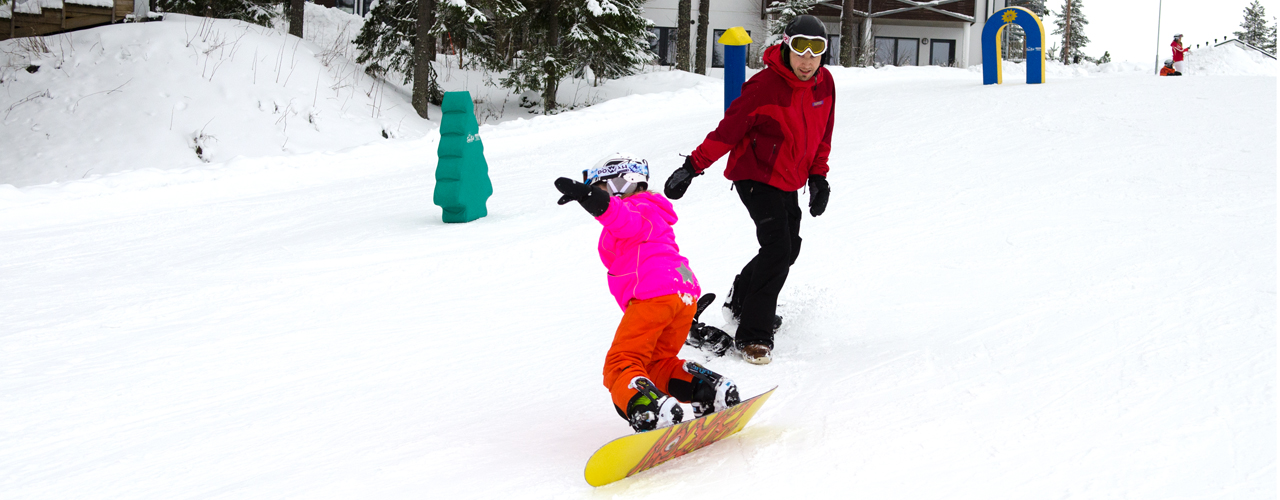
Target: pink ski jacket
x: 639, y: 249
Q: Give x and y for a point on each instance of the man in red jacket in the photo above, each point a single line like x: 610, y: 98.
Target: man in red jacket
x: 777, y: 135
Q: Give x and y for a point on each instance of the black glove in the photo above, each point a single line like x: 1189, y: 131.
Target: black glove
x: 680, y: 179
x: 819, y: 192
x: 594, y: 200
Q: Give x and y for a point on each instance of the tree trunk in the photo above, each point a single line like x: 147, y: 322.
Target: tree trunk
x: 424, y: 53
x: 848, y: 31
x: 296, y: 10
x: 682, y: 35
x: 1066, y: 37
x: 704, y: 18
x: 552, y: 83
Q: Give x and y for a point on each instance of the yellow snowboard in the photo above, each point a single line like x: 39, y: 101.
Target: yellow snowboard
x: 628, y: 455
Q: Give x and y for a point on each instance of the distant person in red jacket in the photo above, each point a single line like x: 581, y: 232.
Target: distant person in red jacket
x: 1168, y: 70
x: 777, y: 135
x: 1178, y: 52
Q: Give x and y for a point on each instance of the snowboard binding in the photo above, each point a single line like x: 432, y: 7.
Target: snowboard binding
x: 705, y: 337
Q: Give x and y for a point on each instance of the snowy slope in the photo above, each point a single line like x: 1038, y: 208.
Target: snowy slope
x: 125, y: 97
x: 1053, y: 291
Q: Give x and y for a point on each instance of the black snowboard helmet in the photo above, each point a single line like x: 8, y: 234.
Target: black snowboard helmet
x: 809, y: 26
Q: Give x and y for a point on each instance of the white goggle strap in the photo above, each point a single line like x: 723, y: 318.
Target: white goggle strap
x: 619, y: 185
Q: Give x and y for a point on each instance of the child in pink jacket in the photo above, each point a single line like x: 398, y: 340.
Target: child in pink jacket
x: 657, y: 292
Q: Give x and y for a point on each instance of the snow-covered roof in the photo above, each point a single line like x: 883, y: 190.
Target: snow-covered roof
x: 1241, y: 43
x: 35, y: 7
x: 28, y: 7
x: 94, y: 3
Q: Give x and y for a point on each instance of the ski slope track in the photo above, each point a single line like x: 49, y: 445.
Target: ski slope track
x: 1019, y: 291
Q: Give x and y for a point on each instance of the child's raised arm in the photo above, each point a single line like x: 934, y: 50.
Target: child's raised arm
x: 594, y: 200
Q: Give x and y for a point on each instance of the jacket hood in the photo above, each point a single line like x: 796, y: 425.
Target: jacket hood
x: 661, y: 203
x: 773, y: 59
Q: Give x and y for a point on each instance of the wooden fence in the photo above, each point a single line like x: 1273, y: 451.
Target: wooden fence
x: 19, y: 21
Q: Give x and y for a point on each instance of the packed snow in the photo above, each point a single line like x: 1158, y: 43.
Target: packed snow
x: 1063, y: 290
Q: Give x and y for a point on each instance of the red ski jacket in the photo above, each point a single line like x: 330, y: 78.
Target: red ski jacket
x: 778, y: 131
x: 1178, y: 50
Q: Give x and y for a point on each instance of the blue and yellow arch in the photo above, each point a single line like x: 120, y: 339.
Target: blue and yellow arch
x: 991, y: 48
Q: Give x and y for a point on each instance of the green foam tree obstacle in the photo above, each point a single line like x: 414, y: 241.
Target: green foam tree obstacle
x: 462, y: 175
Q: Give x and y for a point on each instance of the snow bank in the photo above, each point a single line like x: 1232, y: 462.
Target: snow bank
x: 1017, y: 71
x: 1224, y: 60
x: 190, y: 91
x: 185, y: 92
x: 1228, y: 60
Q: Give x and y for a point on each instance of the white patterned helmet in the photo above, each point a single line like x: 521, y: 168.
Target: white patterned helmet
x: 621, y: 174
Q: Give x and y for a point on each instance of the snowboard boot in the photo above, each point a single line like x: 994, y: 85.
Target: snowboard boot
x: 756, y: 354
x: 650, y: 409
x: 709, y: 338
x: 712, y: 392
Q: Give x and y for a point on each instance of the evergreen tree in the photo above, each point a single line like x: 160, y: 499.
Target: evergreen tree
x: 1106, y: 57
x: 1070, y: 24
x: 782, y: 12
x: 1254, y: 30
x: 386, y: 41
x: 1015, y: 42
x: 1036, y: 6
x: 259, y: 12
x: 612, y: 41
x: 390, y: 35
x: 567, y: 37
x: 482, y: 29
x: 536, y: 42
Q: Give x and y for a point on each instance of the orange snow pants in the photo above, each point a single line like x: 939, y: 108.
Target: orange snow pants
x: 646, y: 344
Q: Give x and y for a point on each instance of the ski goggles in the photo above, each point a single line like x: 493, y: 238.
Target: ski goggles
x: 624, y: 184
x: 814, y: 45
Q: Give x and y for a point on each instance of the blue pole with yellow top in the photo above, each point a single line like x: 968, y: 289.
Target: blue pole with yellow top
x: 735, y: 42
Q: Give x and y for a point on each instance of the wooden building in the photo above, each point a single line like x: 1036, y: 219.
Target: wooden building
x: 21, y: 18
x: 901, y: 32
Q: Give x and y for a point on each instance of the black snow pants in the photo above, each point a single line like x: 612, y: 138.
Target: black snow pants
x: 777, y: 217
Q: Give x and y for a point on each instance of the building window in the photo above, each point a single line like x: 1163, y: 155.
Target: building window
x: 717, y: 49
x: 357, y: 7
x: 897, y: 51
x: 663, y: 45
x: 942, y: 53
